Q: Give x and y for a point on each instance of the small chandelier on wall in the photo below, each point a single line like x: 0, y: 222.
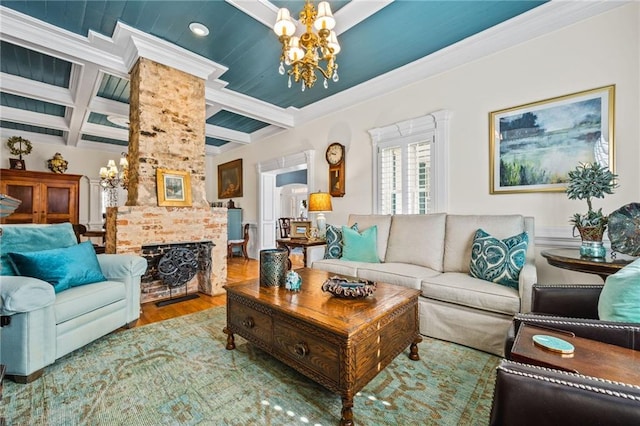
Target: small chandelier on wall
x: 303, y: 54
x: 111, y: 178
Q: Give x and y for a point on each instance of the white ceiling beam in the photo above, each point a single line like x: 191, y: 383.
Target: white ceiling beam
x: 109, y: 107
x: 33, y: 137
x: 33, y: 118
x: 105, y: 131
x: 35, y: 90
x: 227, y: 134
x: 84, y: 88
x: 249, y: 107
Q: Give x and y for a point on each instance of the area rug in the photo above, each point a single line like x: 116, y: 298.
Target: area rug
x: 178, y: 372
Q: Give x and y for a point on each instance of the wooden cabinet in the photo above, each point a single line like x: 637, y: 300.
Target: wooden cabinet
x: 46, y: 197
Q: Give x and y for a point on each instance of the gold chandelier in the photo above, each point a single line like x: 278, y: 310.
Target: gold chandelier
x: 303, y: 54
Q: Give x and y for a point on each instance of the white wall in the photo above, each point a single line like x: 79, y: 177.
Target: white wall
x: 596, y: 52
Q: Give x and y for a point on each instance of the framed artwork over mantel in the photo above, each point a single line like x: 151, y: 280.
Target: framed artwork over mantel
x: 533, y: 147
x: 174, y: 188
x: 230, y: 179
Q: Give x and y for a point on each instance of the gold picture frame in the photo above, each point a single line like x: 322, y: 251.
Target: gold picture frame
x: 533, y: 147
x: 174, y: 188
x: 300, y: 228
x: 230, y: 179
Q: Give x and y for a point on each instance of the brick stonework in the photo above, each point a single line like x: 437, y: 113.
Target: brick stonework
x: 167, y: 130
x: 131, y: 227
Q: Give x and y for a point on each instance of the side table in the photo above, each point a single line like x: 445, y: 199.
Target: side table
x: 304, y: 243
x: 568, y: 258
x: 590, y: 357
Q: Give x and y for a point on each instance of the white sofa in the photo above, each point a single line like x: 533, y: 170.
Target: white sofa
x: 432, y: 253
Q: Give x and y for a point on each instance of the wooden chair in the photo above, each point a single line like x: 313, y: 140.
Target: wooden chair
x: 285, y: 227
x: 239, y: 243
x: 80, y: 230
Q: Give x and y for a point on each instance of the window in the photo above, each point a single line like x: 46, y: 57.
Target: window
x: 410, y: 165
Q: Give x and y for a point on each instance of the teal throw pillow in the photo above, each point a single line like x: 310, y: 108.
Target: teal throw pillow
x: 62, y: 267
x: 620, y: 296
x: 360, y: 247
x: 334, y: 241
x: 499, y: 261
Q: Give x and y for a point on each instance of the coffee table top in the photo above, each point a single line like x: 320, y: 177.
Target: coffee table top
x: 342, y: 316
x: 590, y: 357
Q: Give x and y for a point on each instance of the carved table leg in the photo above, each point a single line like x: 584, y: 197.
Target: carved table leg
x: 230, y: 340
x: 413, y: 355
x: 347, y: 414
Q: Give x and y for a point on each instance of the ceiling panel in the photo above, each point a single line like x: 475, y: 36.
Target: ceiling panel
x: 101, y: 139
x: 101, y: 119
x: 237, y: 122
x: 28, y: 128
x: 215, y: 141
x: 28, y: 104
x: 114, y: 88
x: 17, y: 60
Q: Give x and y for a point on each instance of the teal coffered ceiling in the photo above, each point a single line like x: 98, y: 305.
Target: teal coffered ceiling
x: 65, y: 64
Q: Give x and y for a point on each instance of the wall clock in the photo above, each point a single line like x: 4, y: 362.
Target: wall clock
x: 335, y: 157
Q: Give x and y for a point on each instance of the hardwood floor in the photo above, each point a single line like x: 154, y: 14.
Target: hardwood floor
x: 238, y: 269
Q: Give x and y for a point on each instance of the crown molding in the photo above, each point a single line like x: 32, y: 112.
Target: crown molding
x: 29, y: 117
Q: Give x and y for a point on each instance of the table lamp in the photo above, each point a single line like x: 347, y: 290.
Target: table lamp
x: 320, y: 202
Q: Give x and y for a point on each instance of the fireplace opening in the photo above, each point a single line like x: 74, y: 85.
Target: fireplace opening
x: 176, y: 272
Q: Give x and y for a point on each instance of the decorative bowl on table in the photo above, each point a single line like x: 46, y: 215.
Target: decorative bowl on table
x: 348, y: 289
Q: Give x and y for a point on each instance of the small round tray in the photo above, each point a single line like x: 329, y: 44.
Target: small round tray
x: 341, y: 287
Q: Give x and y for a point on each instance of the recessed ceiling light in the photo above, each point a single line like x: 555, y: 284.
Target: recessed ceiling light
x: 118, y: 120
x: 198, y: 29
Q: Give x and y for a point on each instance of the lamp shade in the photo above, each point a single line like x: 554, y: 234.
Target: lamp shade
x: 320, y: 202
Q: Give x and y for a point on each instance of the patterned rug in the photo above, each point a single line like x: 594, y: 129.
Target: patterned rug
x: 177, y: 372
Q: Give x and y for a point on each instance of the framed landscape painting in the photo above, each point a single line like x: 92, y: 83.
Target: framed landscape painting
x: 532, y: 147
x: 174, y: 188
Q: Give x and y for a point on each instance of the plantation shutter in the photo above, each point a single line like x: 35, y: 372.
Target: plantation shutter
x: 410, y: 165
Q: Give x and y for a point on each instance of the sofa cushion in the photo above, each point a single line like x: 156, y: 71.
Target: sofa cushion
x: 338, y: 266
x: 460, y: 230
x: 462, y: 289
x: 360, y: 246
x: 417, y: 239
x: 61, y: 267
x: 78, y: 301
x: 383, y: 222
x: 620, y: 296
x: 403, y: 274
x: 498, y: 261
x: 33, y: 237
x: 334, y: 241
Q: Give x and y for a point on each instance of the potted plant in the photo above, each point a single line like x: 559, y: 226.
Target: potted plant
x: 587, y: 181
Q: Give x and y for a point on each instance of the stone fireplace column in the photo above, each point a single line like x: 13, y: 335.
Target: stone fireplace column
x: 167, y: 130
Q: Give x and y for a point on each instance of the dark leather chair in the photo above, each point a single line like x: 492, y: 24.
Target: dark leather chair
x: 530, y: 395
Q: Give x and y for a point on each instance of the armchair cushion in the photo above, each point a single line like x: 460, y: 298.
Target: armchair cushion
x: 24, y: 294
x: 528, y: 395
x: 499, y: 261
x: 61, y: 267
x: 620, y: 297
x: 27, y: 238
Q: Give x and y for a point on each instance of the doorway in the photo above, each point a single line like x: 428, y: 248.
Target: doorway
x: 269, y: 201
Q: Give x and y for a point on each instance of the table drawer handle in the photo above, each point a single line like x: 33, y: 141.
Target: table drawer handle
x: 248, y: 323
x: 301, y: 349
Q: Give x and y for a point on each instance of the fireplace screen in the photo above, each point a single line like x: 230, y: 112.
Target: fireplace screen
x: 178, y: 266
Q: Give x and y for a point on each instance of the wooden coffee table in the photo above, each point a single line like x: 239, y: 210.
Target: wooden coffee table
x: 339, y: 343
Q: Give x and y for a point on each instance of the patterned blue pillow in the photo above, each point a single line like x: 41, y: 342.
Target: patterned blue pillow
x: 334, y: 241
x: 499, y: 261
